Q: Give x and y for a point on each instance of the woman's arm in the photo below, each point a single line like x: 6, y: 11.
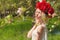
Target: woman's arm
x: 40, y: 32
x: 30, y: 32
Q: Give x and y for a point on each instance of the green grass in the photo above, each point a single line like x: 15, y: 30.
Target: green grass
x: 54, y: 37
x: 18, y: 31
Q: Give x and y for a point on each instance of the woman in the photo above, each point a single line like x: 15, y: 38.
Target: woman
x: 39, y: 30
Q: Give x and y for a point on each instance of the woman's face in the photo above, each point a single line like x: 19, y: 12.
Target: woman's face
x: 38, y: 13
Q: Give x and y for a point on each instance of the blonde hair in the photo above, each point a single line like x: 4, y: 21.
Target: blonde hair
x: 43, y: 16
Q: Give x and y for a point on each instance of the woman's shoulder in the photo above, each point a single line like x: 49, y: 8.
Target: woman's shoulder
x: 43, y: 25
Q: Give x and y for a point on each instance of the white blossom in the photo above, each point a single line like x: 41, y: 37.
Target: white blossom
x: 50, y: 30
x: 40, y: 0
x: 53, y: 26
x: 19, y: 11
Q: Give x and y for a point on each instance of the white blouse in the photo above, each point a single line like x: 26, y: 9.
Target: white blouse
x: 44, y: 35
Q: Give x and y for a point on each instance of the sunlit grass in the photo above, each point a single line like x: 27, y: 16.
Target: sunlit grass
x: 18, y: 31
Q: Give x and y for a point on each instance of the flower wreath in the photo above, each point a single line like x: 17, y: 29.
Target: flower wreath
x: 45, y: 7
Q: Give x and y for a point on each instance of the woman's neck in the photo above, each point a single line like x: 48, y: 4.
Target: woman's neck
x: 39, y: 21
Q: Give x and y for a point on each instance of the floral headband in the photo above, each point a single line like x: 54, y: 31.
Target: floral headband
x: 45, y: 7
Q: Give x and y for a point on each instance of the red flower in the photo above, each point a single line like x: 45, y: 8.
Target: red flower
x: 51, y: 11
x: 45, y: 7
x: 38, y: 5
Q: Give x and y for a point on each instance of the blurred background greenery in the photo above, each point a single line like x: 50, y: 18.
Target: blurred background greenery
x: 16, y: 19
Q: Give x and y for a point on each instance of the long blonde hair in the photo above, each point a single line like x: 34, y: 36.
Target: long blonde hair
x: 44, y: 17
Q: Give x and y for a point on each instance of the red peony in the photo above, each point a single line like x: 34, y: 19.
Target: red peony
x: 45, y: 7
x: 51, y: 10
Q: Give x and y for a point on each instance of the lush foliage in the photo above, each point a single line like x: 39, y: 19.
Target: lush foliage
x: 18, y: 31
x: 12, y: 24
x: 8, y: 10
